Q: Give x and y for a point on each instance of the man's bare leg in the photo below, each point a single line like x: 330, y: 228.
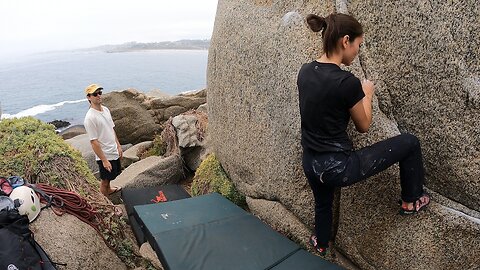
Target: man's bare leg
x: 105, y: 188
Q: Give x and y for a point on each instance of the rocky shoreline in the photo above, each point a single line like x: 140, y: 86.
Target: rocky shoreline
x: 164, y: 139
x: 181, y: 113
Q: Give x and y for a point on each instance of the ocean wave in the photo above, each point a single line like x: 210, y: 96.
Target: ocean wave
x: 39, y: 109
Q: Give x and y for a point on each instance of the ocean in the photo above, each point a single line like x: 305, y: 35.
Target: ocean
x: 50, y: 86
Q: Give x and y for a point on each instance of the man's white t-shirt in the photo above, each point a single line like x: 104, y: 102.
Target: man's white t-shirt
x: 99, y: 125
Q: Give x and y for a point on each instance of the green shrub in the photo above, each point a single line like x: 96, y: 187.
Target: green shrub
x: 30, y: 148
x: 159, y: 148
x: 210, y: 177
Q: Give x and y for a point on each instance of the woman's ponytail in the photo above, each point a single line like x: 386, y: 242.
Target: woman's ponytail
x: 316, y: 23
x: 334, y: 27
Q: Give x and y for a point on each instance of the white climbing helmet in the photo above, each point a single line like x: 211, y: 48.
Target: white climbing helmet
x: 28, y: 200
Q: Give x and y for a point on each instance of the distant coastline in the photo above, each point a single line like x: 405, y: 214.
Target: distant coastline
x: 186, y: 44
x: 49, y: 86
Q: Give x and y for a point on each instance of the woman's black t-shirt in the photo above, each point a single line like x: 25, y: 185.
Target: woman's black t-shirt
x: 326, y: 94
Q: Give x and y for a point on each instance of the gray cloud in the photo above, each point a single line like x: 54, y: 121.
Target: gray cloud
x: 28, y: 26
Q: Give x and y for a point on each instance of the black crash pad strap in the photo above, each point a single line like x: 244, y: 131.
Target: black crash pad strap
x: 151, y: 195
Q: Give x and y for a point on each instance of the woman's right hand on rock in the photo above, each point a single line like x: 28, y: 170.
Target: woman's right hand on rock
x: 368, y: 88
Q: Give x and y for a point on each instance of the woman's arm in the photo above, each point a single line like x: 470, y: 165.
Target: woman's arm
x: 362, y: 111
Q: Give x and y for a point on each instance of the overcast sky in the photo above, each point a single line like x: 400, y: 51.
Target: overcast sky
x: 28, y: 26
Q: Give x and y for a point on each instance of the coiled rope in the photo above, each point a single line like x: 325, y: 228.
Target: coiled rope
x: 64, y: 201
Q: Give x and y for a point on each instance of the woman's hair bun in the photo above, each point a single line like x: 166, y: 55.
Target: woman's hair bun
x: 316, y: 23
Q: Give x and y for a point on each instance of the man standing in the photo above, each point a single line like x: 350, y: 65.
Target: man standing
x: 99, y: 126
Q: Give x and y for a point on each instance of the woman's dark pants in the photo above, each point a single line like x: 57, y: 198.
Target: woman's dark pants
x: 325, y: 171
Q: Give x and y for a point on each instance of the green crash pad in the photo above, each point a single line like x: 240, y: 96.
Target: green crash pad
x: 305, y: 261
x: 148, y: 195
x: 236, y: 243
x: 186, y: 213
x: 209, y: 232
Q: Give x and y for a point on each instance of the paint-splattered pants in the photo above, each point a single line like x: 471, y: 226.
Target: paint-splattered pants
x: 325, y: 171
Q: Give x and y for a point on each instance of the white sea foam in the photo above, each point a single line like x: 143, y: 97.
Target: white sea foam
x: 191, y: 92
x: 39, y: 109
x: 32, y: 81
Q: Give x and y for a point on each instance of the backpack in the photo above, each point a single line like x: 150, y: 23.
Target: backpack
x: 5, y: 187
x: 22, y: 251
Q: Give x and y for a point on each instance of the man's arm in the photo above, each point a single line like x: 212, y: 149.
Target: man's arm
x: 119, y: 146
x: 98, y: 151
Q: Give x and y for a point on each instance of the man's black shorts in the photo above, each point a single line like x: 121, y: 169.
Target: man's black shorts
x: 106, y: 175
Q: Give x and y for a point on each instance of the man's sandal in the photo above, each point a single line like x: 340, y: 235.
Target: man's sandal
x: 115, y: 190
x: 418, y: 205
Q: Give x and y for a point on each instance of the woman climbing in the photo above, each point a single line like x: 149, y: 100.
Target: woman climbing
x: 329, y: 97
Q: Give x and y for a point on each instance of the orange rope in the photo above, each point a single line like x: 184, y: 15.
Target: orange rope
x: 64, y: 201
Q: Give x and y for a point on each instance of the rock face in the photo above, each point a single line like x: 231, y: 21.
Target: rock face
x: 425, y: 65
x: 192, y: 138
x: 186, y: 130
x: 132, y: 154
x: 150, y: 172
x: 148, y: 112
x: 68, y: 240
x: 125, y: 106
x: 72, y: 131
x: 59, y: 123
x: 147, y: 252
x: 275, y: 214
x: 431, y: 78
x: 82, y: 144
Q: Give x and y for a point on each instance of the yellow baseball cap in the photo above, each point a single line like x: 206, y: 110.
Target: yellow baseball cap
x: 92, y: 88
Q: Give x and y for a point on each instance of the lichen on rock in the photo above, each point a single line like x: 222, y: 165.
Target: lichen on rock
x: 210, y: 177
